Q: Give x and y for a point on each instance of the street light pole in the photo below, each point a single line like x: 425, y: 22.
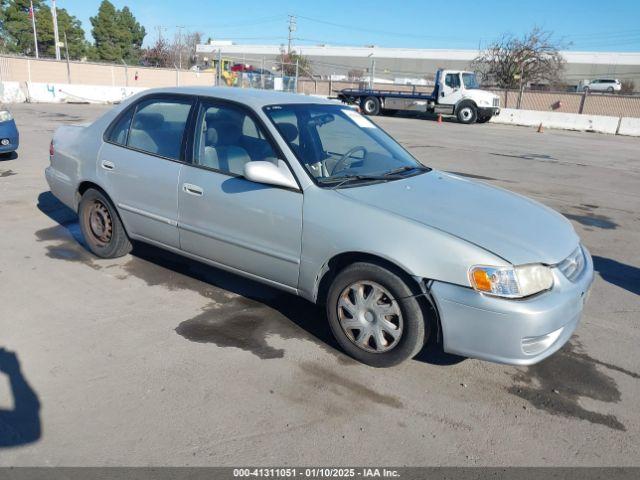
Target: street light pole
x: 56, y: 38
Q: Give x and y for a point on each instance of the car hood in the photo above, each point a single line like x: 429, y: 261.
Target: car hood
x: 509, y: 225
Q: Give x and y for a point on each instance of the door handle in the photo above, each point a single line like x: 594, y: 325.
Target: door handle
x: 192, y: 189
x: 107, y: 165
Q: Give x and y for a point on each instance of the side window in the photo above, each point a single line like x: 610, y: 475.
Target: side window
x: 120, y: 130
x: 227, y: 138
x: 452, y: 80
x: 158, y: 126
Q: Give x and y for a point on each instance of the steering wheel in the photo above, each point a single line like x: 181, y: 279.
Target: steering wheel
x: 339, y: 164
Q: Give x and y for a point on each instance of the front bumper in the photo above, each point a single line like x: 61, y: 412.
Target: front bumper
x: 9, y: 135
x: 488, y: 111
x: 515, y: 332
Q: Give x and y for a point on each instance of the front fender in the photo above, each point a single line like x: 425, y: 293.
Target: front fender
x: 335, y: 224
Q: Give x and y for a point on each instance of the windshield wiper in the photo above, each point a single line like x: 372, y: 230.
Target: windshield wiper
x: 386, y: 176
x: 355, y: 178
x: 406, y: 168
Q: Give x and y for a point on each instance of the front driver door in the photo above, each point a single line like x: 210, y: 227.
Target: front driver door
x: 250, y: 227
x: 451, y: 90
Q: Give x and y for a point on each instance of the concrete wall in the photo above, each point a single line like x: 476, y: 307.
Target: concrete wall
x: 20, y: 69
x: 565, y: 121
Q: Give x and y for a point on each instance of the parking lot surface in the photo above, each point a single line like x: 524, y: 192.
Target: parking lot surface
x: 153, y: 359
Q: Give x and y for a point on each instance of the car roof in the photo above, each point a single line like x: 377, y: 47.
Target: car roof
x: 249, y: 96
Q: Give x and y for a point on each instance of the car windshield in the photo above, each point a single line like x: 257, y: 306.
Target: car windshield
x: 470, y: 81
x: 338, y: 146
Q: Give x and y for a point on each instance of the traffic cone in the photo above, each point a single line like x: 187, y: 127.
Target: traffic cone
x: 540, y: 129
x: 439, y: 118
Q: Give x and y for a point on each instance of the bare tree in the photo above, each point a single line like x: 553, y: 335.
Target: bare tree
x: 628, y: 87
x: 158, y: 54
x: 512, y: 62
x: 183, y: 48
x: 355, y: 74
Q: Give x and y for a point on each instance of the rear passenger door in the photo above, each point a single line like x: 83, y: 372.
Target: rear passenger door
x: 140, y: 162
x: 236, y: 223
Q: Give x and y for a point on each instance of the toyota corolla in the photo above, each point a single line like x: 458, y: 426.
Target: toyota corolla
x: 310, y: 197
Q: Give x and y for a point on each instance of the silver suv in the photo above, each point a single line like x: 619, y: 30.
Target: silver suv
x: 603, y: 85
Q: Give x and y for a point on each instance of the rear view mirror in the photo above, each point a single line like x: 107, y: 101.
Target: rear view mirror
x: 270, y: 174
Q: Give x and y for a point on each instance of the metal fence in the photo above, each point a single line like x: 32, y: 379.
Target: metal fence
x: 246, y: 72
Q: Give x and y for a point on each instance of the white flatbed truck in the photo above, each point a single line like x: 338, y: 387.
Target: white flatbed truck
x: 455, y: 93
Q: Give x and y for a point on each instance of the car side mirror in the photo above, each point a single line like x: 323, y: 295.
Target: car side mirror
x: 270, y: 173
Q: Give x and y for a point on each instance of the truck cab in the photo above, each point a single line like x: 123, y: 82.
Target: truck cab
x: 458, y: 93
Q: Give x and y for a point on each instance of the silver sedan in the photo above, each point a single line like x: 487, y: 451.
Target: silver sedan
x: 310, y: 197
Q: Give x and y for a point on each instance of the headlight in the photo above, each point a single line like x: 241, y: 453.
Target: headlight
x: 5, y: 116
x: 511, y: 282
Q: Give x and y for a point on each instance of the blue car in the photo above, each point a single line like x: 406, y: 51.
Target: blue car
x: 9, y: 137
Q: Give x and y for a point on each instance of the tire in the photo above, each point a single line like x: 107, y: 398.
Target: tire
x: 586, y: 89
x: 370, y: 106
x: 610, y: 89
x: 483, y: 119
x: 467, y: 113
x: 404, y: 313
x: 101, y: 226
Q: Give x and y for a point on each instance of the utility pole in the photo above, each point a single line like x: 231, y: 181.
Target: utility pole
x: 180, y: 27
x: 32, y: 14
x: 292, y: 28
x: 56, y: 38
x: 66, y: 50
x: 372, y: 71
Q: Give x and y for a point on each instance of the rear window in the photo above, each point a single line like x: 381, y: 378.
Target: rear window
x: 120, y: 130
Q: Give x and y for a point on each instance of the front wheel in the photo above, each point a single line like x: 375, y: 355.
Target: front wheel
x: 374, y: 316
x: 467, y: 114
x: 101, y: 227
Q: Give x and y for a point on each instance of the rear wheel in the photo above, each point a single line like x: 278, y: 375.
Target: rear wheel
x: 467, y: 113
x: 374, y: 316
x: 370, y: 106
x: 101, y: 226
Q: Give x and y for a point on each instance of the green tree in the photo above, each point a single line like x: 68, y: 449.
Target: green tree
x: 16, y: 31
x: 288, y: 64
x: 15, y: 26
x: 117, y: 34
x: 67, y: 24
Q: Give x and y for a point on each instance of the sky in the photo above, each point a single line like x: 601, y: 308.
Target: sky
x: 585, y: 25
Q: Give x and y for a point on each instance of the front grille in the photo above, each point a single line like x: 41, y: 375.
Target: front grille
x: 573, y: 265
x: 496, y: 102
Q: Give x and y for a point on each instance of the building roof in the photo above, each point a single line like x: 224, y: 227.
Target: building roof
x: 606, y: 58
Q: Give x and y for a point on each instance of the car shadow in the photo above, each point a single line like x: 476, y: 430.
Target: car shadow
x: 19, y: 425
x: 620, y: 274
x: 300, y: 312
